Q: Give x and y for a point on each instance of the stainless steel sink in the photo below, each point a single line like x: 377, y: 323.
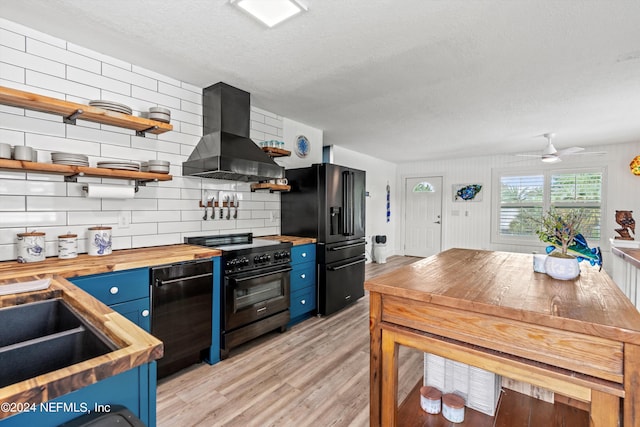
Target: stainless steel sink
x: 44, y: 336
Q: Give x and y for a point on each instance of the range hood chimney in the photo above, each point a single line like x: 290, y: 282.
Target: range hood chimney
x: 226, y: 151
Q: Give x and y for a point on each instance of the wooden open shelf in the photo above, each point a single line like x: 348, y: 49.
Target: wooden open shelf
x: 72, y: 110
x: 270, y: 187
x: 276, y: 152
x: 515, y: 409
x: 70, y: 171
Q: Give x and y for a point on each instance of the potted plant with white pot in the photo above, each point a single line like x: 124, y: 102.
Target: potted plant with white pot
x: 561, y: 229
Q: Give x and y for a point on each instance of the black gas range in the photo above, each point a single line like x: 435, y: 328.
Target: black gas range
x: 255, y: 286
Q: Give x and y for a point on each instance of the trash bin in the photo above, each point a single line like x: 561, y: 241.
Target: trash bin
x: 379, y: 253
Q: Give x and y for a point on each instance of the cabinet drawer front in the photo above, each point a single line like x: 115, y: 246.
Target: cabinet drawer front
x: 303, y: 276
x: 302, y: 302
x: 303, y: 253
x: 113, y: 288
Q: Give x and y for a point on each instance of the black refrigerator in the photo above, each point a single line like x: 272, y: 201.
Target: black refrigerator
x: 327, y: 202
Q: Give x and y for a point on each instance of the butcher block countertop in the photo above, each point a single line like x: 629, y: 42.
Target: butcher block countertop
x: 135, y: 346
x: 293, y: 239
x: 124, y: 259
x: 631, y: 255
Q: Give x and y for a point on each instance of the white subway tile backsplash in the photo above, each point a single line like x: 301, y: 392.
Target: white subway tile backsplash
x: 32, y: 220
x: 261, y: 127
x: 12, y: 110
x: 154, y: 216
x: 45, y: 203
x: 129, y: 77
x: 99, y: 56
x: 117, y: 152
x: 171, y: 204
x: 156, y: 240
x: 191, y: 129
x: 192, y: 88
x: 97, y: 135
x: 94, y: 79
x: 147, y: 143
x: 12, y: 137
x: 106, y: 218
x: 29, y: 32
x: 12, y: 72
x: 61, y: 54
x: 179, y: 92
x: 191, y: 107
x: 12, y: 39
x: 161, y: 213
x: 155, y: 75
x: 155, y: 97
x: 186, y: 117
x: 31, y: 62
x: 28, y: 124
x: 178, y: 227
x: 47, y: 81
x: 32, y: 188
x: 12, y: 203
x: 129, y: 205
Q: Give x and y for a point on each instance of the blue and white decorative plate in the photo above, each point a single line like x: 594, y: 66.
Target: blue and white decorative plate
x: 303, y: 146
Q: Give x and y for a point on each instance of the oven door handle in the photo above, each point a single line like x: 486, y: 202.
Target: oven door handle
x: 270, y: 273
x: 343, y: 247
x: 160, y: 282
x: 340, y: 267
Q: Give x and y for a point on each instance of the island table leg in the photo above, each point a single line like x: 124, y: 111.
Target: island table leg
x: 375, y: 352
x: 631, y: 385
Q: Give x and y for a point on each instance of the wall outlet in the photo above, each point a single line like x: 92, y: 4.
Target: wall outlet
x: 123, y: 221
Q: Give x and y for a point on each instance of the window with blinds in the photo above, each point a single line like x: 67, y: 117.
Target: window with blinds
x: 524, y: 197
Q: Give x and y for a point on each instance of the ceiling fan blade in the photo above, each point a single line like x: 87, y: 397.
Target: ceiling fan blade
x: 569, y: 151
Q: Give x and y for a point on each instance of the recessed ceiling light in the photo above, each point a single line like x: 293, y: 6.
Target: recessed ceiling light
x: 271, y: 12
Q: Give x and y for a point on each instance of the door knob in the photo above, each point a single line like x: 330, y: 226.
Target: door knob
x: 436, y: 222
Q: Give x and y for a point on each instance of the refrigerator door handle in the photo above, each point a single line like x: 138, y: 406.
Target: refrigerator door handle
x: 340, y: 267
x: 347, y: 203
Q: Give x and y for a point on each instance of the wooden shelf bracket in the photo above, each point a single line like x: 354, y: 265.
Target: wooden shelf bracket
x: 74, y: 177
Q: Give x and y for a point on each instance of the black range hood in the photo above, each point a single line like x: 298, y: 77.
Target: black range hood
x: 226, y: 151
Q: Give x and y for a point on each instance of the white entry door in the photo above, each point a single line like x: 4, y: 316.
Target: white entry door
x: 423, y: 216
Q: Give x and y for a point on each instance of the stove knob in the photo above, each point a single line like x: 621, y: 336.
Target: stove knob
x: 244, y: 261
x: 256, y: 260
x: 268, y: 257
x: 277, y: 256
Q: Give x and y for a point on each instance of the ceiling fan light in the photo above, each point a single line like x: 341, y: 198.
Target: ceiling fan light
x: 550, y: 159
x: 270, y: 12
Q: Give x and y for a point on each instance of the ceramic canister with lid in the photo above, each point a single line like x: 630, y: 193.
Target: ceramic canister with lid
x: 67, y: 246
x: 430, y: 399
x: 99, y: 241
x: 453, y: 407
x: 31, y: 247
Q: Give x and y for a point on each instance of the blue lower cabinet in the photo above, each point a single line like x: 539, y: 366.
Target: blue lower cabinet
x: 127, y: 292
x: 120, y: 389
x: 137, y: 311
x: 213, y: 355
x: 303, y: 283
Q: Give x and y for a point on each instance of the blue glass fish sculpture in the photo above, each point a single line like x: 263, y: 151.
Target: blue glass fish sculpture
x: 468, y: 192
x: 579, y: 249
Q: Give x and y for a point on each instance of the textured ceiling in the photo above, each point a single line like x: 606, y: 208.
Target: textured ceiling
x: 399, y: 80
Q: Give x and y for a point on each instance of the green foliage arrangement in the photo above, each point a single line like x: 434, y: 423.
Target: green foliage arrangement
x: 560, y: 226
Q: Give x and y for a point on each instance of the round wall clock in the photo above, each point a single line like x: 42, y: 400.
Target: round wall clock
x: 303, y: 146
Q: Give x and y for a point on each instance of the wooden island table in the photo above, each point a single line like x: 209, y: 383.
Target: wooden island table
x: 578, y: 338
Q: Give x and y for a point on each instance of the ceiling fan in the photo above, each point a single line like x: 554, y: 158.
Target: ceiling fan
x: 551, y: 155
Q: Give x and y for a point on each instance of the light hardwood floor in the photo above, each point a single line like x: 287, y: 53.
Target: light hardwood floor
x: 315, y: 374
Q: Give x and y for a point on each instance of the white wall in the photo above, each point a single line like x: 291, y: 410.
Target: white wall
x: 379, y: 174
x: 621, y: 191
x: 292, y: 129
x: 161, y: 213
